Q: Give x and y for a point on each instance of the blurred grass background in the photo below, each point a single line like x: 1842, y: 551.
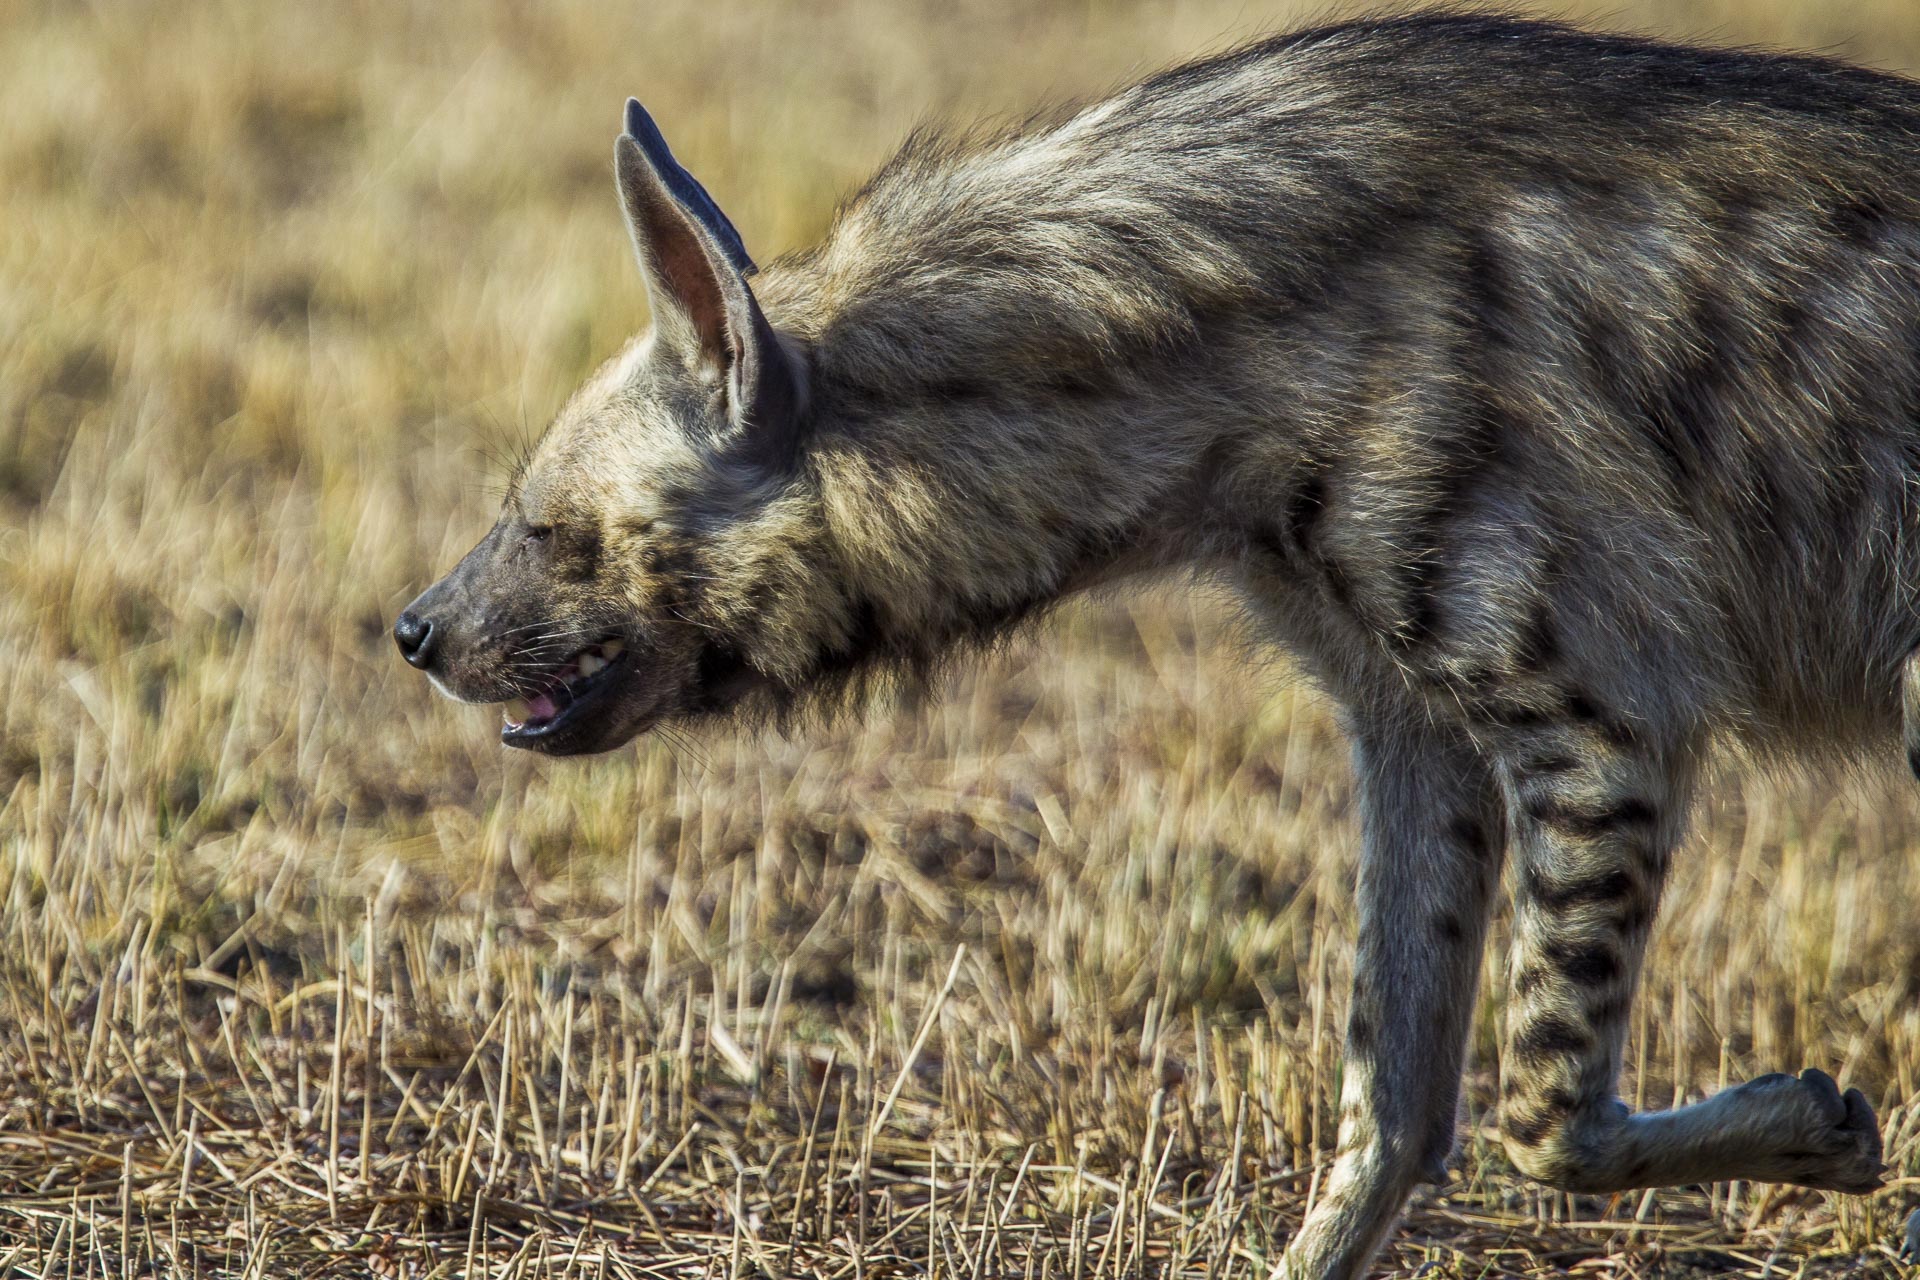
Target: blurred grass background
x: 301, y: 971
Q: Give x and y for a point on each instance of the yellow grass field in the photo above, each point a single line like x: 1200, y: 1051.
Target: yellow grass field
x: 302, y: 974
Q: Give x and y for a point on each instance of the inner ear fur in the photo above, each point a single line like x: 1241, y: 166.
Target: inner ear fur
x: 702, y: 305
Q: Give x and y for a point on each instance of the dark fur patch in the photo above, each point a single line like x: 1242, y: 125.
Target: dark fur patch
x: 1539, y: 643
x: 1636, y: 914
x: 1470, y: 834
x: 1862, y: 218
x: 1585, y: 964
x: 1684, y: 409
x: 1359, y: 1034
x: 1607, y: 887
x: 1339, y: 586
x: 863, y: 642
x: 721, y: 671
x: 1458, y: 468
x: 1305, y: 507
x: 1081, y: 384
x: 1611, y: 1009
x: 1513, y: 715
x: 1272, y: 543
x: 1548, y: 1040
x: 988, y: 619
x: 1583, y: 709
x: 1421, y: 622
x: 1549, y: 762
x: 1533, y: 1127
x: 1591, y: 823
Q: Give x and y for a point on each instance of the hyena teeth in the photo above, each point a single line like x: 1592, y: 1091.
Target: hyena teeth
x: 590, y: 662
x: 612, y: 649
x: 517, y: 711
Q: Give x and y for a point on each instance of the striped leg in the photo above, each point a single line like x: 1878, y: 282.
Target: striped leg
x: 1432, y: 827
x: 1596, y: 811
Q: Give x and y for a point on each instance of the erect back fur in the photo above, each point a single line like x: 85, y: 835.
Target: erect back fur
x: 1472, y: 334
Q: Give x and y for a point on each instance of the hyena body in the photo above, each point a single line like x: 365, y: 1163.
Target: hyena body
x: 1554, y: 398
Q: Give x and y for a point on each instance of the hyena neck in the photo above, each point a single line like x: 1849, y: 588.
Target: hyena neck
x: 927, y: 516
x: 1002, y: 407
x: 877, y: 561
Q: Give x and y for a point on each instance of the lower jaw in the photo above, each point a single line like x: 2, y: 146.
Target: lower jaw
x: 618, y: 716
x: 723, y: 681
x: 560, y: 740
x: 576, y: 721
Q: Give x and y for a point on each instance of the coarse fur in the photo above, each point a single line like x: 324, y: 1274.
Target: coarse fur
x: 1553, y: 398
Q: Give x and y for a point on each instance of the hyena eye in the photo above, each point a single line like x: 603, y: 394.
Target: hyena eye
x: 539, y: 533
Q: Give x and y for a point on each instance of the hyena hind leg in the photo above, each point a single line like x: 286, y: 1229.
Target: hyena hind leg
x: 1597, y: 809
x: 1432, y: 827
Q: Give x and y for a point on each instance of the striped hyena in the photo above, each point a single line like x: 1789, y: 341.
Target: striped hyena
x: 1554, y: 398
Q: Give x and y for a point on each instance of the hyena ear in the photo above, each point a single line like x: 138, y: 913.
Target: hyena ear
x: 696, y: 271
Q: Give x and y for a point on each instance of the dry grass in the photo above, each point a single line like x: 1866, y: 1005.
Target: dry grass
x: 299, y: 974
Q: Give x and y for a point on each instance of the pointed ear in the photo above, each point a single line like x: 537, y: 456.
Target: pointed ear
x: 696, y: 271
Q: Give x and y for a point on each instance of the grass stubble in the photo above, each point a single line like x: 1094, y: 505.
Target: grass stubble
x: 301, y: 974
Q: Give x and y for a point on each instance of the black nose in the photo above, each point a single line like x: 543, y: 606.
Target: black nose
x: 416, y: 637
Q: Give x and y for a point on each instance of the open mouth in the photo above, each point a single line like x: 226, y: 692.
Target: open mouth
x: 569, y: 694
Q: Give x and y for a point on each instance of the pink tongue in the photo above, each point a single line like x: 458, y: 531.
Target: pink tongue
x: 542, y: 707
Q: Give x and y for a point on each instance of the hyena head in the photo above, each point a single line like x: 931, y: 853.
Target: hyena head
x: 574, y: 610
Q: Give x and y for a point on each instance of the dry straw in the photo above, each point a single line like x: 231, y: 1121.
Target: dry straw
x: 299, y: 975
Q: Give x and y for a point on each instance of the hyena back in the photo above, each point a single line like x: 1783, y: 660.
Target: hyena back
x: 1554, y: 398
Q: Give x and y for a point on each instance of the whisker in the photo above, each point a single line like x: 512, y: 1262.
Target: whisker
x: 681, y: 745
x: 691, y: 622
x: 544, y: 635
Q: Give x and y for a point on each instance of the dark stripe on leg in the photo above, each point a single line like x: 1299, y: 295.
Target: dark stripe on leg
x: 1549, y: 1039
x: 1557, y: 897
x: 1591, y: 823
x: 1586, y: 964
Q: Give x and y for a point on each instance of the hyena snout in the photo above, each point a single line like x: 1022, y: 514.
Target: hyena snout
x: 569, y: 677
x: 448, y: 633
x: 418, y: 638
x: 426, y: 629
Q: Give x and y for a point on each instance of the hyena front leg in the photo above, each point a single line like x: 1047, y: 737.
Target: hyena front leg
x: 1432, y: 827
x: 1596, y: 809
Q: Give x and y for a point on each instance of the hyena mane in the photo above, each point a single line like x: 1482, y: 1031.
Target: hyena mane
x: 1552, y: 398
x: 1693, y: 311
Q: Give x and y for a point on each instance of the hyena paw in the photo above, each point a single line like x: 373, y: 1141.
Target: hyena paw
x: 1826, y: 1139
